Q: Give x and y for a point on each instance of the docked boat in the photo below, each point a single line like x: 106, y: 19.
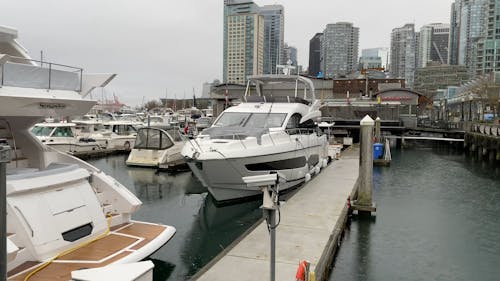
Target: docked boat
x: 263, y: 134
x: 63, y: 214
x: 121, y: 134
x: 157, y: 148
x: 63, y: 137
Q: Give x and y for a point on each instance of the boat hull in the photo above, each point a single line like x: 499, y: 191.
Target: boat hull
x: 223, y: 177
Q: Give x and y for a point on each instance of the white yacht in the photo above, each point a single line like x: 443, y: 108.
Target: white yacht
x: 157, y: 148
x: 63, y: 214
x: 121, y: 133
x: 63, y: 137
x: 263, y: 134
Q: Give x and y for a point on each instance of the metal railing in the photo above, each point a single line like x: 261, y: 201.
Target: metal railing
x: 53, y: 71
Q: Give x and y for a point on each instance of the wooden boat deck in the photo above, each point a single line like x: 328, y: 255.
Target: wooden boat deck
x: 122, y: 241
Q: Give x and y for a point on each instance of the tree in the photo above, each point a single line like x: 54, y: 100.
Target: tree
x: 152, y: 104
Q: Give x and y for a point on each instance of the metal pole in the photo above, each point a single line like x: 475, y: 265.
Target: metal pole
x: 272, y: 222
x: 4, y: 159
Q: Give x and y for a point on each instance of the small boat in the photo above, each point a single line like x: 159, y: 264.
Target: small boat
x: 121, y: 134
x: 157, y: 148
x: 264, y: 134
x: 63, y: 137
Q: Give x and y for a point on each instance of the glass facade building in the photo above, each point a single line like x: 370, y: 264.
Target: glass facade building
x: 274, y: 30
x: 339, y: 49
x: 243, y: 44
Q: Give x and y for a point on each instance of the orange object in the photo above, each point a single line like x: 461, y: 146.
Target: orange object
x: 301, y: 271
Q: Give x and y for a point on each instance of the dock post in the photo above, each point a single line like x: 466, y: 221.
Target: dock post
x: 377, y: 130
x: 364, y: 201
x: 4, y: 159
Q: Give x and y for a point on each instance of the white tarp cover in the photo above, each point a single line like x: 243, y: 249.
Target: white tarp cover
x: 29, y: 76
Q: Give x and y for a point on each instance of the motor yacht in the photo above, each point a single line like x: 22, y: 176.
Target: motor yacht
x: 63, y: 137
x: 121, y: 134
x: 157, y: 148
x: 264, y: 134
x: 63, y: 214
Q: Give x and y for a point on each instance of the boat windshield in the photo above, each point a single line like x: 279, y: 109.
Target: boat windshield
x: 251, y: 120
x: 42, y: 131
x: 149, y: 138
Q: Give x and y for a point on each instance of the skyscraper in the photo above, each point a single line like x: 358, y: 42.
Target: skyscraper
x: 403, y: 50
x: 315, y: 54
x: 488, y: 48
x: 243, y: 41
x: 274, y: 33
x: 433, y: 44
x: 468, y: 23
x: 339, y: 49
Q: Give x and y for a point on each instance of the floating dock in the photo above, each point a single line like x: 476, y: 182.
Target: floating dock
x: 312, y: 222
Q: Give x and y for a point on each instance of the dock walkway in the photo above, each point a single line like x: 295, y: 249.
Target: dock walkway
x: 311, y: 222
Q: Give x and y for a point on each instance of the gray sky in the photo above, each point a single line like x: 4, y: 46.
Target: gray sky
x: 154, y: 45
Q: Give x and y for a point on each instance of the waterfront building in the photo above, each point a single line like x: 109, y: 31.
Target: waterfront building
x: 243, y: 41
x: 488, y: 48
x: 433, y: 44
x: 315, y: 54
x: 339, y: 49
x: 274, y: 33
x: 433, y: 77
x: 381, y: 52
x: 403, y: 52
x: 468, y: 23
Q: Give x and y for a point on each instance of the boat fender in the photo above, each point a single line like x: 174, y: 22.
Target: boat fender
x: 317, y: 169
x: 325, y: 163
x: 301, y: 271
x: 307, y: 177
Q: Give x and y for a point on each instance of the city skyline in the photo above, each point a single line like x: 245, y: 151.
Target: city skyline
x: 156, y: 48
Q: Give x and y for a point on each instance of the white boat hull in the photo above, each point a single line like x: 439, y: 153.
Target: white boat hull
x: 223, y: 177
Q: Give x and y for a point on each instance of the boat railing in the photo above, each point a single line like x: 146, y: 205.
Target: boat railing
x: 30, y: 73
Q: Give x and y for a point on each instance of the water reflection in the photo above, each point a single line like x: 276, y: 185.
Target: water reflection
x: 178, y: 199
x: 215, y: 228
x: 436, y: 220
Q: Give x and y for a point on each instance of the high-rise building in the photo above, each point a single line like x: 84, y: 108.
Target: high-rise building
x: 291, y: 57
x: 339, y: 49
x: 433, y: 44
x: 315, y: 54
x: 403, y: 51
x: 368, y: 55
x: 274, y: 33
x: 243, y: 41
x: 468, y: 23
x: 488, y: 48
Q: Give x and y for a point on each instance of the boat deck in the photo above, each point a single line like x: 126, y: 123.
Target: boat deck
x: 122, y: 241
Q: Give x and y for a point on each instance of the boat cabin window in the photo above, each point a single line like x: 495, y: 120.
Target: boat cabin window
x: 42, y: 131
x: 251, y: 120
x: 149, y: 138
x: 124, y: 129
x: 294, y: 121
x: 63, y: 132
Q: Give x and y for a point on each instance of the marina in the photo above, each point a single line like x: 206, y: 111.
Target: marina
x: 136, y: 147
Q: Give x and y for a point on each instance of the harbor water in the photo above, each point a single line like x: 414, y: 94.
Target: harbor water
x: 437, y: 219
x: 178, y: 199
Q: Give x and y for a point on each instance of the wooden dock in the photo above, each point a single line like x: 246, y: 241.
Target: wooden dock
x: 311, y: 225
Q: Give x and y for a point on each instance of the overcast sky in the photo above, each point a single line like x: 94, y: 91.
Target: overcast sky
x: 159, y: 46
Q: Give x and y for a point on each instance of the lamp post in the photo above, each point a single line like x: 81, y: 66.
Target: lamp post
x: 269, y: 208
